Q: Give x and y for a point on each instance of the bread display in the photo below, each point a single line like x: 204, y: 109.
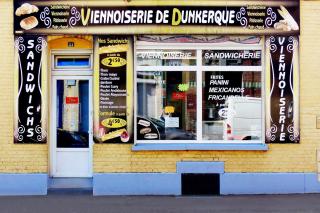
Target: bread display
x: 26, y: 9
x: 29, y: 23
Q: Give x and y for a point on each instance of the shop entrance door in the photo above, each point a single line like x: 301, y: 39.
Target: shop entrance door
x: 71, y: 130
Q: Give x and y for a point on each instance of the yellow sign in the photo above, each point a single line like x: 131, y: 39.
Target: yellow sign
x: 114, y: 122
x: 114, y: 61
x: 169, y: 109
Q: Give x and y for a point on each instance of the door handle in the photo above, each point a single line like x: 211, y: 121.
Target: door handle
x: 80, y: 113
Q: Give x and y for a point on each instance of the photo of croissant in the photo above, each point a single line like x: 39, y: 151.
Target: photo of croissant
x: 288, y: 23
x: 26, y: 9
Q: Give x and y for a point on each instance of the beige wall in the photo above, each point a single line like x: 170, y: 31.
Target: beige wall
x: 21, y: 158
x: 14, y: 158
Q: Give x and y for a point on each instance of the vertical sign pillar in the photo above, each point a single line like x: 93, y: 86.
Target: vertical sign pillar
x: 282, y: 85
x: 29, y: 123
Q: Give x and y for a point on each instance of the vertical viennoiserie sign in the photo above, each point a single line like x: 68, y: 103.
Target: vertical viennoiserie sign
x: 113, y: 63
x: 29, y: 125
x: 283, y: 90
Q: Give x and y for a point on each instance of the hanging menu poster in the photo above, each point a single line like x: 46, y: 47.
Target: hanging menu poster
x: 28, y: 117
x: 283, y: 105
x: 113, y: 90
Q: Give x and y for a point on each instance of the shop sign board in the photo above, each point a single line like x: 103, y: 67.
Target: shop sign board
x: 283, y: 103
x: 113, y: 125
x: 62, y: 16
x: 29, y: 122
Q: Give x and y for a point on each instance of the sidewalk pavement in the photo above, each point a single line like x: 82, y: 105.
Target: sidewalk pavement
x: 86, y: 203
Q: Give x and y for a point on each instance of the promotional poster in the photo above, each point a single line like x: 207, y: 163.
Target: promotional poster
x: 112, y: 124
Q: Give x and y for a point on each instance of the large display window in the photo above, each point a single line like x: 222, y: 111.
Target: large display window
x: 199, y: 90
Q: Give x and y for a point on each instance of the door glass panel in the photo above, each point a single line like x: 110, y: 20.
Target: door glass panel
x: 72, y: 113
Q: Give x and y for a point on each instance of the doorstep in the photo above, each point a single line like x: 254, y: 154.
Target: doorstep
x: 70, y: 186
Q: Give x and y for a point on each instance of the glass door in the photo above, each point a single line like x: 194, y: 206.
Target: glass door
x: 72, y: 126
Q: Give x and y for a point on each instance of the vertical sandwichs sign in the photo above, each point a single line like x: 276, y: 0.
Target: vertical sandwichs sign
x: 29, y: 115
x: 282, y: 90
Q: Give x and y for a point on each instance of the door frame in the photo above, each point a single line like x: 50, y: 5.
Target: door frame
x: 53, y: 123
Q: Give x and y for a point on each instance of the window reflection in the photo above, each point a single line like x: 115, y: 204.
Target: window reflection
x: 232, y: 105
x: 166, y: 105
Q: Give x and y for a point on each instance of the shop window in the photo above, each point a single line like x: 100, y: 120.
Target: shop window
x: 167, y: 101
x: 231, y: 103
x: 203, y: 93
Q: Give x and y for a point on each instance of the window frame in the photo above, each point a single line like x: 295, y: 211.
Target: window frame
x: 199, y: 69
x: 71, y: 70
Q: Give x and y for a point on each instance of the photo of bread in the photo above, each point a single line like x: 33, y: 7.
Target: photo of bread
x: 151, y: 136
x: 29, y: 23
x: 26, y: 9
x: 144, y: 123
x: 145, y: 130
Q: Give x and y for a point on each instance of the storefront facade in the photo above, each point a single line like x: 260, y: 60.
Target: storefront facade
x: 158, y: 98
